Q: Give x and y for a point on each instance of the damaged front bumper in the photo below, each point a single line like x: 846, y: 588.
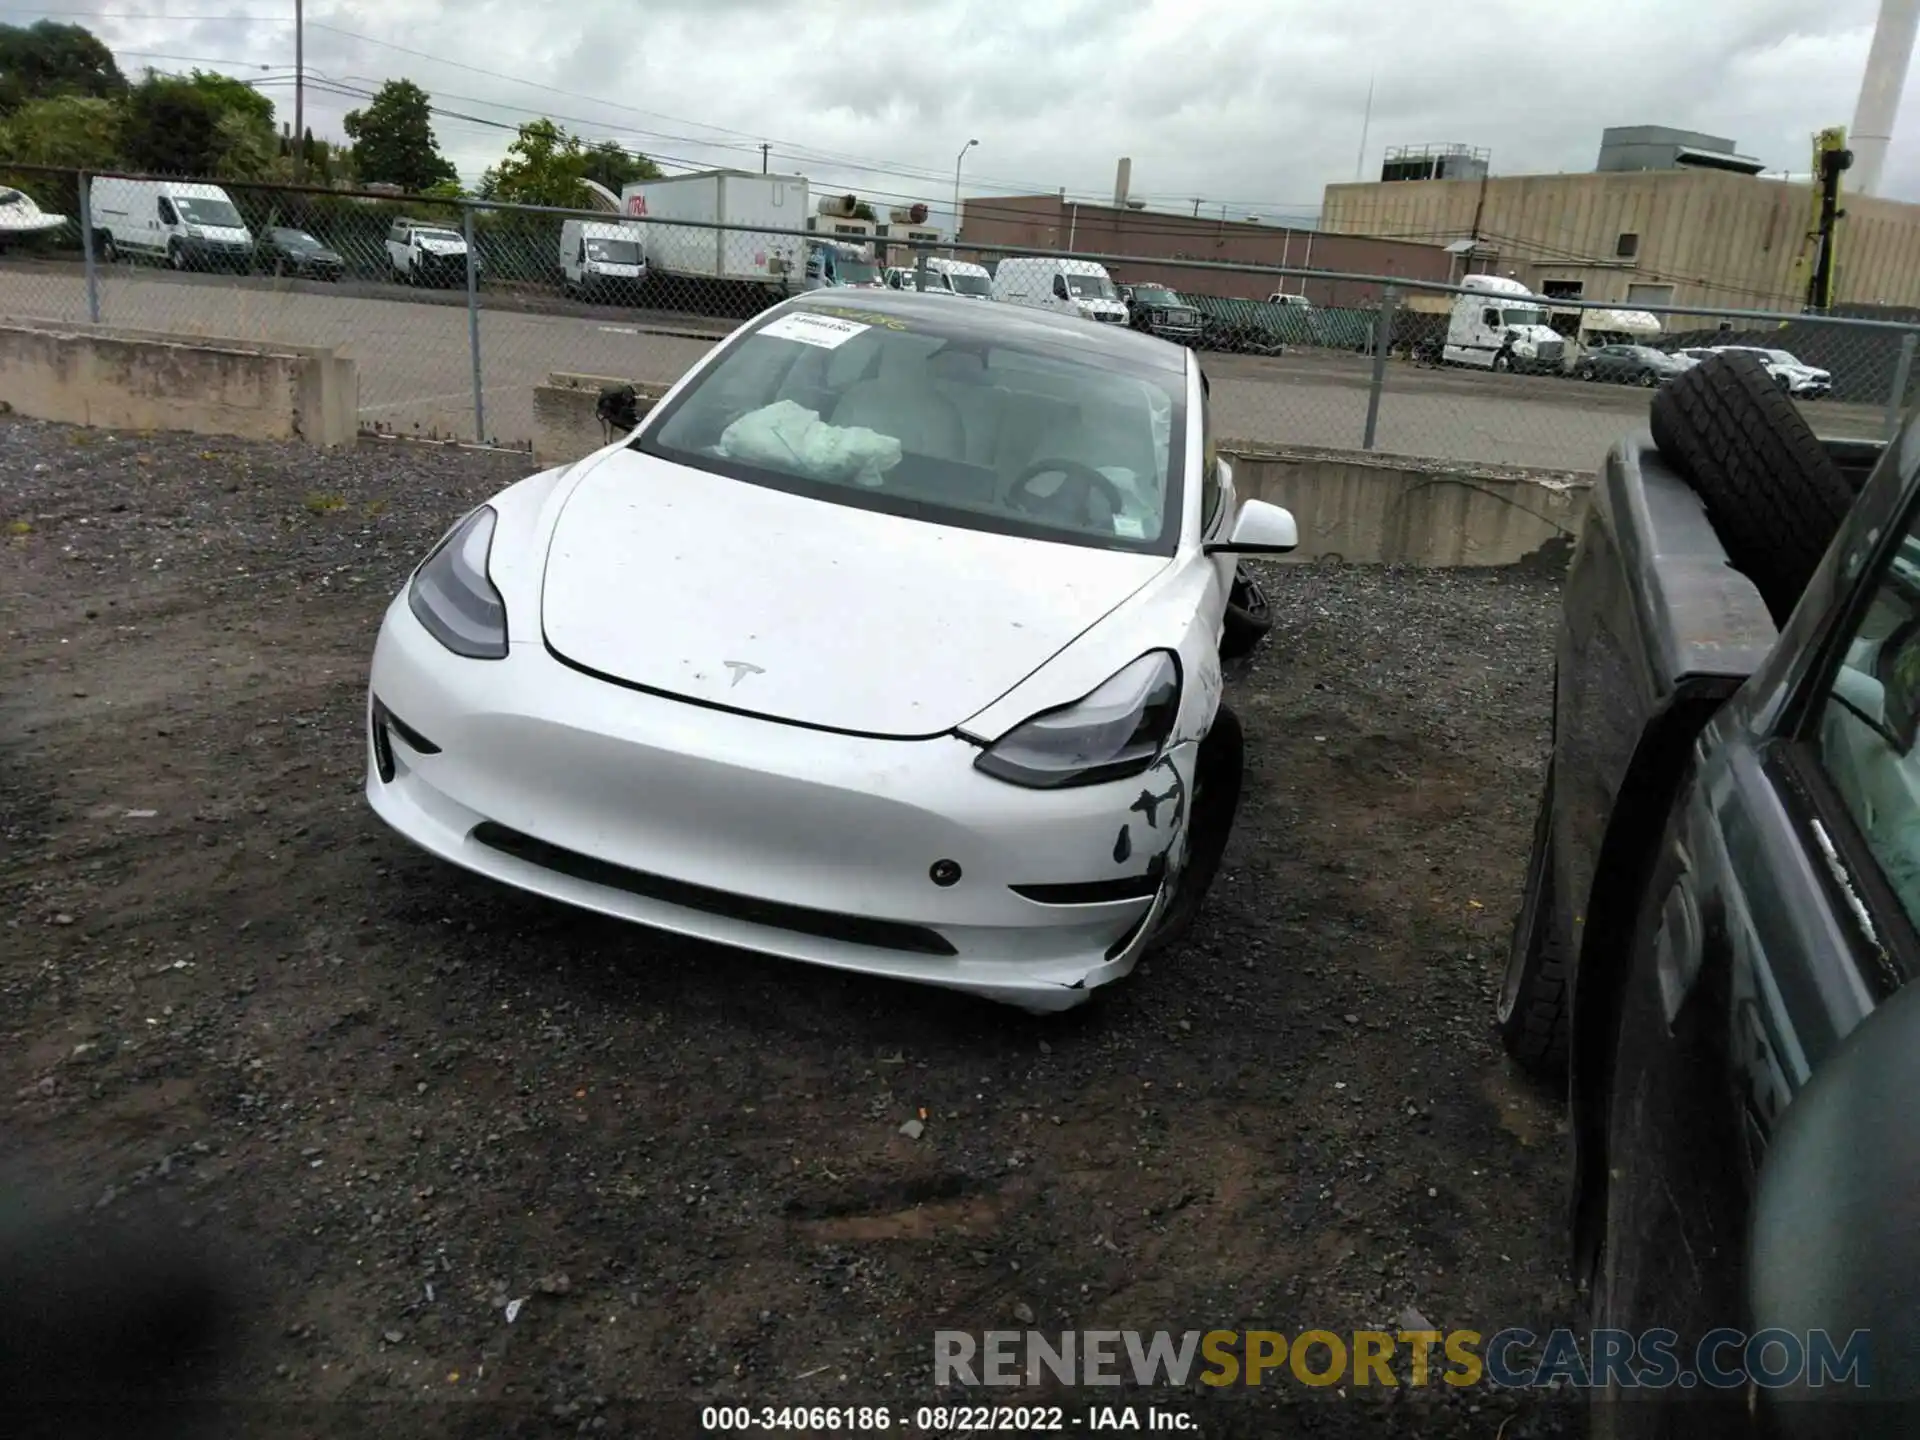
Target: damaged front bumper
x: 887, y: 857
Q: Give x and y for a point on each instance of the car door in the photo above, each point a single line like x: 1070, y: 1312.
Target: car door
x: 1781, y: 909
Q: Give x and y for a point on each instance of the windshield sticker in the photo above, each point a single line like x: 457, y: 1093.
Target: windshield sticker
x: 885, y: 322
x: 1129, y: 527
x: 810, y: 329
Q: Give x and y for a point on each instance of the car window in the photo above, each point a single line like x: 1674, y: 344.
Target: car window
x: 1210, y: 493
x: 1869, y: 720
x: 1036, y: 436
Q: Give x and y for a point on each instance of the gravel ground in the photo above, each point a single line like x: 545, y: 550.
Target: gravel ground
x: 396, y: 1098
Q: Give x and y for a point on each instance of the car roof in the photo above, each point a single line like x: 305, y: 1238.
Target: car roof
x: 1009, y: 324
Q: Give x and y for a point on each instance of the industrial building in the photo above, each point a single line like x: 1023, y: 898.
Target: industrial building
x: 1666, y: 217
x: 1161, y: 240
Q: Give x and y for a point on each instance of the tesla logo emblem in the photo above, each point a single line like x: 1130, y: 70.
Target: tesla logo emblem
x: 741, y: 669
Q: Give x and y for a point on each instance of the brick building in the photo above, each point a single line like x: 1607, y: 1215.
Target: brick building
x: 1161, y: 241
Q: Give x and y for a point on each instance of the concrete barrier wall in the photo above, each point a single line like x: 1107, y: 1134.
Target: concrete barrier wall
x: 140, y: 380
x: 565, y: 425
x: 1393, y: 510
x: 1351, y: 506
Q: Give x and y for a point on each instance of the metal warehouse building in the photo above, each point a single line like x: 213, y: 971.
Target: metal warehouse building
x: 1161, y: 241
x: 1666, y: 217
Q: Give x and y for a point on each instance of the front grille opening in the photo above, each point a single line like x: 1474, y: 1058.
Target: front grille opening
x: 385, y: 719
x: 827, y: 924
x: 1094, y: 892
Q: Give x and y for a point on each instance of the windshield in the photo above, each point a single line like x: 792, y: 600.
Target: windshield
x: 441, y: 237
x: 296, y: 239
x: 218, y: 214
x: 1155, y: 295
x: 1781, y: 357
x: 858, y: 272
x: 970, y: 284
x: 1090, y: 287
x: 11, y: 197
x: 614, y: 252
x: 1522, y: 315
x: 943, y: 422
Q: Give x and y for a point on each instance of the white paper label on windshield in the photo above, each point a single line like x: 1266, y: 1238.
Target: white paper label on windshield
x: 1129, y: 528
x: 827, y: 331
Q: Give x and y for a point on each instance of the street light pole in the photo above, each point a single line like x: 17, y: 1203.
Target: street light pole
x: 956, y: 186
x: 299, y: 90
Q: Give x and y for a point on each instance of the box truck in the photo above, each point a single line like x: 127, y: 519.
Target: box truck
x: 714, y: 265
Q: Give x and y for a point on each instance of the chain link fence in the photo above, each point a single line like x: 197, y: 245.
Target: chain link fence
x: 454, y: 310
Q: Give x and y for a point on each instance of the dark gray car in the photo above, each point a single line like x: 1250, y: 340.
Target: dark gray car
x: 1722, y: 914
x: 286, y: 251
x: 1628, y: 365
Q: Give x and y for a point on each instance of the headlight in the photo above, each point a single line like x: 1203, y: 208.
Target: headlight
x: 452, y: 596
x: 1117, y: 731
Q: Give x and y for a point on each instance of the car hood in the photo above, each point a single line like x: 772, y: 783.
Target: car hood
x: 690, y: 584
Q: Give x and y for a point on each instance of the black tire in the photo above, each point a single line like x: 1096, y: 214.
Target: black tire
x: 1648, y: 379
x: 1215, y: 801
x: 1502, y: 365
x: 1586, y: 372
x: 1248, y: 619
x: 1534, y: 1002
x: 176, y: 255
x: 1773, y: 493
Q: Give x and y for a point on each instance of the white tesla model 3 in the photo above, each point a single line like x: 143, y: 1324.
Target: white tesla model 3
x: 888, y: 641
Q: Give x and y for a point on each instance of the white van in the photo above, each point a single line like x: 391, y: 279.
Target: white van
x: 1073, y: 287
x: 947, y: 277
x: 602, y: 259
x: 1501, y: 325
x: 187, y: 225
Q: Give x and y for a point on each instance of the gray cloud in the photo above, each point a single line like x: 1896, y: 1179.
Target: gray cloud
x: 1256, y: 104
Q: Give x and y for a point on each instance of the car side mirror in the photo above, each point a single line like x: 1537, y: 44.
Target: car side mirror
x: 1259, y: 529
x: 1833, y: 1254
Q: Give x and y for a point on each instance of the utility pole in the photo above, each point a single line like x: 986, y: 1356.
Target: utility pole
x: 764, y: 148
x: 299, y: 90
x: 1196, y: 209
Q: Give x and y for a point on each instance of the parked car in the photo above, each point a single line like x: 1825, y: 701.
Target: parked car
x: 187, y: 224
x: 287, y: 251
x: 991, y: 591
x: 1154, y: 308
x: 422, y: 253
x: 1718, y: 926
x: 1628, y: 365
x: 1802, y: 381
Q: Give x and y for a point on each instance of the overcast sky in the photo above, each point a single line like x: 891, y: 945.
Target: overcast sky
x: 1251, y: 104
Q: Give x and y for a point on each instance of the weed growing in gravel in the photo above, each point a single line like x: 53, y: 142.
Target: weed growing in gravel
x: 318, y: 504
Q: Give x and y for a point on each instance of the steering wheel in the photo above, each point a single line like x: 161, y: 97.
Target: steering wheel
x: 1068, y: 504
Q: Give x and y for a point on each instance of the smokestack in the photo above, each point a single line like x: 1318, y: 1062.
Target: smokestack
x: 1123, y: 177
x: 1880, y: 88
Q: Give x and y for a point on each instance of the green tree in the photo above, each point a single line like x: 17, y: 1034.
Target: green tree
x: 73, y: 130
x: 864, y: 211
x: 245, y: 150
x: 41, y: 61
x: 173, y: 128
x: 234, y: 96
x: 613, y: 167
x: 393, y: 140
x: 542, y: 166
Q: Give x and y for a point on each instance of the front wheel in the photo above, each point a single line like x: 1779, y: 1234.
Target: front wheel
x: 176, y: 255
x: 1501, y: 365
x: 1248, y: 618
x: 1209, y: 820
x: 1534, y: 1000
x: 1648, y: 379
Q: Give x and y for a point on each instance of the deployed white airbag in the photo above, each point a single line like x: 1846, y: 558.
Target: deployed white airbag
x: 788, y: 436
